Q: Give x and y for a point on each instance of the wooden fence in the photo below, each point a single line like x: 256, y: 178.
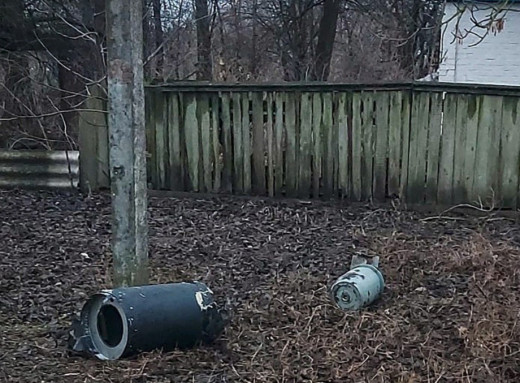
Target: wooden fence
x: 433, y: 143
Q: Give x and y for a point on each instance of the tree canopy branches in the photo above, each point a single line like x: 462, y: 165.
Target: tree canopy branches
x: 55, y: 48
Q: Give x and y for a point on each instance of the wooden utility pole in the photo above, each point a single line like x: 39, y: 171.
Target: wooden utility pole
x: 126, y: 128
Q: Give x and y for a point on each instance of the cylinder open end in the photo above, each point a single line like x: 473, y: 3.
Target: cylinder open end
x: 107, y: 326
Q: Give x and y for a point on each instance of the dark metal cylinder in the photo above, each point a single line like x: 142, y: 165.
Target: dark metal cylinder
x: 124, y: 321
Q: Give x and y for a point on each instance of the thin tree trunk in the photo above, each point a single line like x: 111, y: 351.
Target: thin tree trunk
x: 238, y: 32
x: 205, y: 67
x: 254, y: 60
x: 159, y: 35
x: 326, y: 36
x: 147, y: 45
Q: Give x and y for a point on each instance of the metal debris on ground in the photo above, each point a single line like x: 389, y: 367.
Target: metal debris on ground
x: 269, y: 262
x: 360, y: 286
x: 128, y: 320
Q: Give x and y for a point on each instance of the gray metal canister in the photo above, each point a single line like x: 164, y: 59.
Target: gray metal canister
x: 128, y: 320
x: 358, y: 288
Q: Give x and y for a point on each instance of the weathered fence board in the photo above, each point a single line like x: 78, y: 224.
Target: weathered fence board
x: 205, y: 143
x: 421, y: 143
x: 367, y: 145
x: 258, y: 144
x: 405, y: 143
x: 510, y: 158
x: 328, y: 164
x: 433, y: 146
x: 246, y: 137
x: 461, y: 134
x: 486, y: 164
x: 473, y: 113
x: 343, y: 144
x: 279, y: 143
x: 191, y: 130
x: 418, y: 147
x: 394, y: 142
x: 335, y: 143
x: 381, y: 141
x: 93, y: 142
x: 305, y: 146
x: 175, y: 162
x: 217, y: 147
x: 445, y: 186
x: 227, y: 147
x: 357, y: 175
x: 161, y: 139
x: 149, y: 101
x: 270, y: 147
x: 493, y: 170
x: 317, y: 129
x: 291, y: 169
x: 238, y: 144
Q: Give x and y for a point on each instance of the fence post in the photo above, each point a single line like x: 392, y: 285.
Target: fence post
x: 93, y: 142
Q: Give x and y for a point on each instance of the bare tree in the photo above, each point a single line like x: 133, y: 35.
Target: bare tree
x: 54, y: 48
x: 158, y: 32
x: 50, y: 50
x: 202, y: 20
x: 326, y: 37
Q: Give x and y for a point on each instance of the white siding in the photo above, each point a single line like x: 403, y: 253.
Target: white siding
x: 495, y: 60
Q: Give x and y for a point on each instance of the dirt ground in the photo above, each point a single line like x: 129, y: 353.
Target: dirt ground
x: 449, y: 313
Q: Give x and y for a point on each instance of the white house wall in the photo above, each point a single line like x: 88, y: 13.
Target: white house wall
x: 495, y: 60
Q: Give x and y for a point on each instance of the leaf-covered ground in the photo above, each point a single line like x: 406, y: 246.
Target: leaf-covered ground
x: 450, y: 311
